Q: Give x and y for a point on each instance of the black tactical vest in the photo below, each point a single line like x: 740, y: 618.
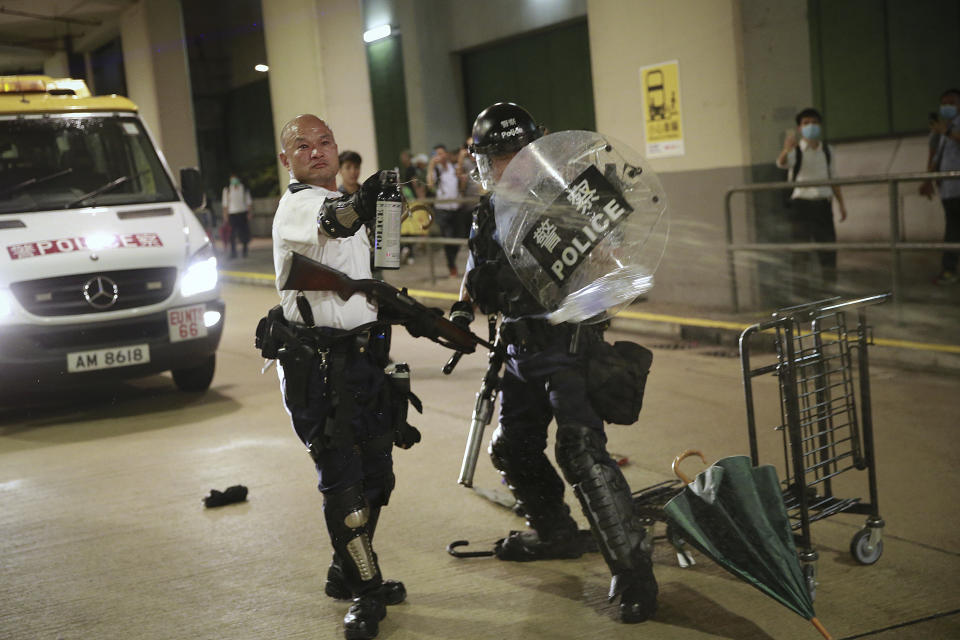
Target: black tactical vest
x: 492, y: 283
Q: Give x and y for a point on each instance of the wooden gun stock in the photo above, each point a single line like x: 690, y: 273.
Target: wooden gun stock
x: 309, y: 275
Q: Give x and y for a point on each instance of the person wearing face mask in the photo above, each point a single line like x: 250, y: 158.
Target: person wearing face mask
x: 811, y: 208
x: 945, y: 156
x: 237, y: 206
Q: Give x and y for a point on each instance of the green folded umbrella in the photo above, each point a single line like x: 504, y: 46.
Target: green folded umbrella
x: 734, y: 513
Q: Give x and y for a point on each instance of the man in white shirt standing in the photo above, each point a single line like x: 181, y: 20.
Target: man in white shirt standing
x: 237, y: 204
x: 334, y: 385
x: 453, y: 223
x: 811, y: 208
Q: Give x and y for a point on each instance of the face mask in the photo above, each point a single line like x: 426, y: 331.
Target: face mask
x: 948, y: 111
x: 234, y: 181
x: 810, y: 131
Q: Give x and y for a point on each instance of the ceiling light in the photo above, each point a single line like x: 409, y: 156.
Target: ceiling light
x: 377, y: 33
x: 262, y: 68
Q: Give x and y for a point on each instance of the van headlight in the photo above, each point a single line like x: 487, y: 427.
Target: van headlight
x: 6, y: 304
x: 201, y: 273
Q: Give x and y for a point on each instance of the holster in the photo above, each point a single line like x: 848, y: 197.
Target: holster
x: 397, y: 400
x: 266, y: 339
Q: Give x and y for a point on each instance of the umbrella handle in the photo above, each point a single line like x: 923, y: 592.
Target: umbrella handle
x: 821, y: 628
x: 680, y: 458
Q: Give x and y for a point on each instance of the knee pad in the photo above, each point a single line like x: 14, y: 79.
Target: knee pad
x: 347, y: 514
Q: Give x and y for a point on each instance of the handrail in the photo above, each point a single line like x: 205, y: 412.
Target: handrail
x: 894, y: 244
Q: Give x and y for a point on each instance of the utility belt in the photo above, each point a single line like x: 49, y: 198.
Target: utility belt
x: 615, y: 374
x: 318, y: 356
x: 373, y: 336
x: 534, y: 334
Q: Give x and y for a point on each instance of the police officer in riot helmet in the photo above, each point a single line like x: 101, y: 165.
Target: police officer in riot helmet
x: 545, y: 379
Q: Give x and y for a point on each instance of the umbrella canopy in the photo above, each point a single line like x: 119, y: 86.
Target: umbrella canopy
x: 734, y: 513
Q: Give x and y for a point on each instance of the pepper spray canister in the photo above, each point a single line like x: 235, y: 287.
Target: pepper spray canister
x: 386, y: 236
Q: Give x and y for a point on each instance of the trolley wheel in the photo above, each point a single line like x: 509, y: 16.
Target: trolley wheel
x: 859, y: 549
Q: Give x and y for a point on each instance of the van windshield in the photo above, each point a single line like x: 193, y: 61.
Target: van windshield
x: 74, y: 161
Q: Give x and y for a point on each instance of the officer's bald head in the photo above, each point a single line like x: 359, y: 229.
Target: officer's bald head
x: 310, y: 151
x: 300, y: 124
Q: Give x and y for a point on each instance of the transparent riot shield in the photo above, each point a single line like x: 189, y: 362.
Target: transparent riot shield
x: 583, y: 221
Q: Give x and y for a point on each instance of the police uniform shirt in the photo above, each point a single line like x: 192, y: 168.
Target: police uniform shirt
x: 813, y: 168
x: 295, y: 229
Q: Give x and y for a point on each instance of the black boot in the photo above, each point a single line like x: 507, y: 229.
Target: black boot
x: 539, y: 493
x: 362, y: 621
x: 391, y: 591
x: 638, y: 590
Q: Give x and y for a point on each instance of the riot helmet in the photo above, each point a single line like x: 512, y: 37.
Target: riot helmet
x: 500, y: 129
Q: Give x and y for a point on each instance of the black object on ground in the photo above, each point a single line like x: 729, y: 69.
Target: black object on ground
x: 236, y: 493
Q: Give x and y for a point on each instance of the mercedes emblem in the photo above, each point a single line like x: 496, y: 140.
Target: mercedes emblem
x: 100, y: 292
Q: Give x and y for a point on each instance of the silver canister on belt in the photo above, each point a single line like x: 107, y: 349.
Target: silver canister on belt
x: 386, y: 237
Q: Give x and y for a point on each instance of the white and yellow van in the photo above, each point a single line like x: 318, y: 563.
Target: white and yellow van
x: 105, y: 271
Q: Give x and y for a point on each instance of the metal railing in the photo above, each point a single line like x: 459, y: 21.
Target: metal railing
x: 428, y: 241
x: 895, y: 244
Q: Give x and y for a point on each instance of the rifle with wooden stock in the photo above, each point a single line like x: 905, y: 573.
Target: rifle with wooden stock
x: 310, y: 275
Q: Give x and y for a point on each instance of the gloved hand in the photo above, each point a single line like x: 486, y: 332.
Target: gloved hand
x: 424, y: 326
x: 406, y: 436
x: 461, y: 314
x: 366, y: 202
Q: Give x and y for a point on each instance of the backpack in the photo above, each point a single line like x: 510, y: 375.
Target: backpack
x: 799, y: 163
x: 792, y: 173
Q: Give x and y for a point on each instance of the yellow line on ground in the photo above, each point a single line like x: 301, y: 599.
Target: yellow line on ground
x: 440, y: 295
x: 249, y: 274
x: 657, y: 317
x: 721, y: 324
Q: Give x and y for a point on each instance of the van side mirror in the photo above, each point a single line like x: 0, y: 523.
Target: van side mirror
x: 191, y: 185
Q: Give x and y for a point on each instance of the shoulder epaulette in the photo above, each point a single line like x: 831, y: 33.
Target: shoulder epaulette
x: 297, y: 186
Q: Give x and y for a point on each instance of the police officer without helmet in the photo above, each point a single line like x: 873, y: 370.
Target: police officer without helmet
x: 334, y: 387
x: 545, y: 379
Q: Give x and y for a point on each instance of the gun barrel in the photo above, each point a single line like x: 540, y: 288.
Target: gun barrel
x: 478, y: 423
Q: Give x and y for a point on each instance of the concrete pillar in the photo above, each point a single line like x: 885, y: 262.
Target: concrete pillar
x: 318, y: 65
x: 57, y: 65
x: 158, y: 78
x: 705, y: 37
x: 431, y: 72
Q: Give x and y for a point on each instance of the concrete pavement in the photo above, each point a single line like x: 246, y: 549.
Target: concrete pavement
x: 103, y: 535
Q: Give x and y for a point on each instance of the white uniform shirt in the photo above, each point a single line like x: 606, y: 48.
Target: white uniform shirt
x: 295, y: 229
x: 235, y: 199
x: 448, y: 186
x: 813, y: 168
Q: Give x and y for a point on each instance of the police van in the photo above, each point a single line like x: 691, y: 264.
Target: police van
x: 105, y: 271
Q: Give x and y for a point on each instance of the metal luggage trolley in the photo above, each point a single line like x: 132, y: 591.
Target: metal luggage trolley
x: 821, y: 364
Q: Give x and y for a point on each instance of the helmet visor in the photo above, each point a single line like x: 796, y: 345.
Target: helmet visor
x: 484, y: 171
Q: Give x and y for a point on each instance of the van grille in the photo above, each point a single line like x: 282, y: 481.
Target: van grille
x: 64, y: 295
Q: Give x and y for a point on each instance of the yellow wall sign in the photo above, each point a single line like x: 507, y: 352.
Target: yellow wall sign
x: 660, y: 85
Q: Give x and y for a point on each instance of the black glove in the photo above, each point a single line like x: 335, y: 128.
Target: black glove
x: 406, y: 436
x: 461, y: 314
x: 424, y: 326
x: 366, y: 202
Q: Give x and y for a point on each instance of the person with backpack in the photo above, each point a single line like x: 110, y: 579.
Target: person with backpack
x: 809, y: 159
x: 945, y: 156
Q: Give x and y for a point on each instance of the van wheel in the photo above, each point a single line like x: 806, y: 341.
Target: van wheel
x: 195, y: 379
